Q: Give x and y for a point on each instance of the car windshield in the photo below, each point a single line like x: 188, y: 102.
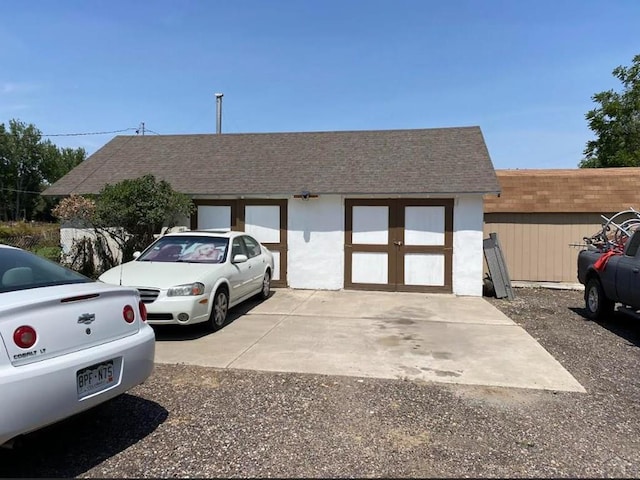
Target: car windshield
x: 185, y: 248
x: 21, y: 270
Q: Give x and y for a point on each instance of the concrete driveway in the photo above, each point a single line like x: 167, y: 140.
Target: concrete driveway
x: 429, y: 337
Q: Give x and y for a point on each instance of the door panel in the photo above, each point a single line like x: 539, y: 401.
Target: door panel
x: 626, y: 279
x: 241, y: 280
x: 276, y: 266
x: 399, y: 244
x: 370, y: 225
x: 370, y: 267
x: 256, y: 263
x: 263, y: 222
x: 216, y: 217
x: 424, y: 269
x: 424, y: 225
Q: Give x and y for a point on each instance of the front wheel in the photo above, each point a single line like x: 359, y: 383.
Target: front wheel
x: 266, y: 285
x: 596, y: 302
x: 219, y: 310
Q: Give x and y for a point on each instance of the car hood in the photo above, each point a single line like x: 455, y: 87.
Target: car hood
x: 159, y: 274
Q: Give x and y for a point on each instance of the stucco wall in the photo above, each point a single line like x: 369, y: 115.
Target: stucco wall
x: 316, y: 243
x: 468, y: 255
x: 70, y: 235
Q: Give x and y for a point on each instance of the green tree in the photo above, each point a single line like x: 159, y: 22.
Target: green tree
x: 128, y: 213
x: 616, y: 123
x: 27, y: 165
x: 57, y: 162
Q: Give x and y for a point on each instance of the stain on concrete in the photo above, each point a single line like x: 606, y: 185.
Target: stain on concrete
x: 403, y: 321
x: 442, y: 355
x: 389, y: 341
x: 416, y: 351
x: 442, y: 373
x: 409, y: 370
x: 394, y: 319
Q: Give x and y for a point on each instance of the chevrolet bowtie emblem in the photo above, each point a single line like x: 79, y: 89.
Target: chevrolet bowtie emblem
x: 86, y: 318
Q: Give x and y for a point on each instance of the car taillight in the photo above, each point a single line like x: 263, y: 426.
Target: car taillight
x: 128, y: 314
x: 143, y: 311
x: 24, y: 336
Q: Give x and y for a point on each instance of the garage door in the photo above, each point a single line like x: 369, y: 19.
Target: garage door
x: 266, y: 220
x: 399, y: 245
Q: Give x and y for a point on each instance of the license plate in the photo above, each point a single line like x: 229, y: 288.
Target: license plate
x: 95, y: 378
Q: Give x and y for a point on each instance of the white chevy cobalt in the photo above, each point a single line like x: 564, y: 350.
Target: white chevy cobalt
x: 196, y: 276
x: 67, y: 343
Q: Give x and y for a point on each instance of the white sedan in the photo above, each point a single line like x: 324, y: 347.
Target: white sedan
x: 196, y: 276
x: 67, y: 343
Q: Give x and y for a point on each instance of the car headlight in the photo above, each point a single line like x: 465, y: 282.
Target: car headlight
x: 189, y: 289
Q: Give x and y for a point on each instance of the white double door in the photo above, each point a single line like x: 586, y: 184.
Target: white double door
x: 399, y: 244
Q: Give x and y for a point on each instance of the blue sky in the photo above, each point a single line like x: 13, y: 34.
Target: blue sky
x: 524, y: 71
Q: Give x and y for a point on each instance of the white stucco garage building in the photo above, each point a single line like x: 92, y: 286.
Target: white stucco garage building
x: 398, y: 210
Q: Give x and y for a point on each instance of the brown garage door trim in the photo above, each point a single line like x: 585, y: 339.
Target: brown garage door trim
x: 238, y: 223
x: 396, y: 234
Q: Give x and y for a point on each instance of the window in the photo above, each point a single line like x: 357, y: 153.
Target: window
x: 632, y: 247
x: 237, y: 247
x: 20, y: 270
x: 253, y: 247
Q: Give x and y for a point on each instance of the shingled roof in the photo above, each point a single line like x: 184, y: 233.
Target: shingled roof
x: 579, y: 190
x: 425, y: 161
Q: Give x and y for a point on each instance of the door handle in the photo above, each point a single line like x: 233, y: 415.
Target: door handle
x: 635, y: 270
x: 398, y: 243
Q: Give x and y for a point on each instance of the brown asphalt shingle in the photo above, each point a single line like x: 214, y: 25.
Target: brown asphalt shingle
x: 425, y: 161
x: 580, y: 190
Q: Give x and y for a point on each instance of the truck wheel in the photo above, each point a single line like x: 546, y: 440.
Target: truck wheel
x: 596, y: 302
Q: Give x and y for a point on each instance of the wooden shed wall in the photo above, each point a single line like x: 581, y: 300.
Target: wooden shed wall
x: 541, y: 247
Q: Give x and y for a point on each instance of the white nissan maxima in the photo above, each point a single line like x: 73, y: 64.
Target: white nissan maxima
x: 67, y: 343
x: 196, y: 276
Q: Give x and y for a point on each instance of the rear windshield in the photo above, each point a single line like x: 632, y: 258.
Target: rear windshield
x: 21, y: 270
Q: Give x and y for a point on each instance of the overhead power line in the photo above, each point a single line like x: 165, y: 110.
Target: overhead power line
x: 139, y: 130
x: 18, y: 191
x: 88, y: 133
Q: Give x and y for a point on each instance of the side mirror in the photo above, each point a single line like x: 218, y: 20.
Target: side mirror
x: 136, y: 254
x: 239, y: 258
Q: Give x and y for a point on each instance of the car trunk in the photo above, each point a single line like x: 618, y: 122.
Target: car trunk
x: 88, y: 315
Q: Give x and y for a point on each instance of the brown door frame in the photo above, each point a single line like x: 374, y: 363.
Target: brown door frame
x: 238, y: 222
x: 396, y: 248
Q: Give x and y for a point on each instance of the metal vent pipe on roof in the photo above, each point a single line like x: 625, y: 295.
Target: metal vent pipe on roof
x: 219, y: 112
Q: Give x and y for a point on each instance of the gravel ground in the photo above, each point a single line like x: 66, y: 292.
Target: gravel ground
x: 201, y: 422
